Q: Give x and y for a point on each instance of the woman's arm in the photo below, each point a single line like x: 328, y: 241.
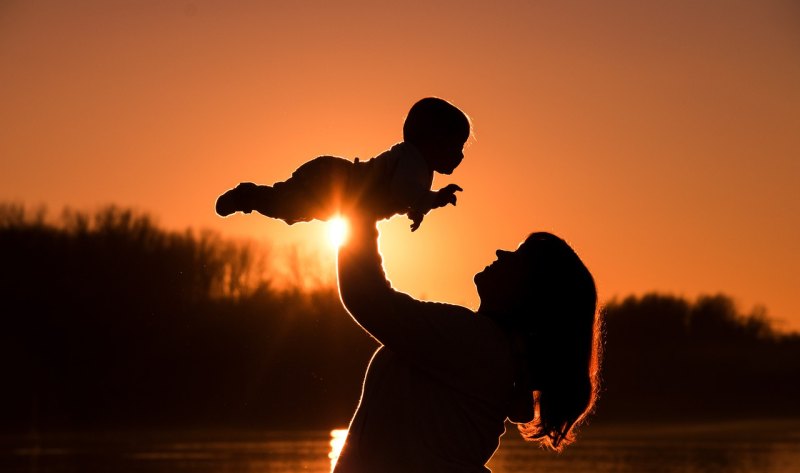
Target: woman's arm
x: 448, y: 340
x: 363, y: 287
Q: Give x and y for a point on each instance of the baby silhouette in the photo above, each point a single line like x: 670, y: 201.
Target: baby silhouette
x: 397, y: 181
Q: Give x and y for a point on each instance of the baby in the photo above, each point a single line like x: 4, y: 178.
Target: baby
x: 397, y: 181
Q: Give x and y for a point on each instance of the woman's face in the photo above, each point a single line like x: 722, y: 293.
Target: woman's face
x: 502, y: 282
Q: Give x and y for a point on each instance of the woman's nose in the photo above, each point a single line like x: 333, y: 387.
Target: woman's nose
x: 502, y: 253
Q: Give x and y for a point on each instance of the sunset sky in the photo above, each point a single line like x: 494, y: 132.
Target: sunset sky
x: 661, y: 139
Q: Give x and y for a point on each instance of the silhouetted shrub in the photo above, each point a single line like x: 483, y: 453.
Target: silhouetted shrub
x: 109, y: 321
x: 668, y: 358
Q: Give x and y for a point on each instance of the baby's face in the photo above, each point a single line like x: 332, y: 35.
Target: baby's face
x: 446, y: 155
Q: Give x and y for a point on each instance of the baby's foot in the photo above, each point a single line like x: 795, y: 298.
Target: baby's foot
x: 236, y: 199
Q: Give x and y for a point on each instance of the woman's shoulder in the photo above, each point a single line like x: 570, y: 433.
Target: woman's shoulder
x: 477, y: 334
x: 470, y: 319
x: 458, y: 315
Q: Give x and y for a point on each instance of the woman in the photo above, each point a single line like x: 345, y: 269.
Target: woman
x: 437, y: 393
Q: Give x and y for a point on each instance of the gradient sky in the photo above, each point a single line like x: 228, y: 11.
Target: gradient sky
x: 661, y: 139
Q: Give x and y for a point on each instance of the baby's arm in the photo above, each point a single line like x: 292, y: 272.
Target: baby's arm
x: 440, y: 198
x: 446, y: 195
x: 411, y: 188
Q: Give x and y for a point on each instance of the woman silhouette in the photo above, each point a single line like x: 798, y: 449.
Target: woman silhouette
x: 438, y: 392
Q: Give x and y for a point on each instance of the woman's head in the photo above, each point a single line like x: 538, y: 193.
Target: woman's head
x: 543, y: 295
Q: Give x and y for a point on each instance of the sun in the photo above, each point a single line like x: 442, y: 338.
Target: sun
x: 337, y: 231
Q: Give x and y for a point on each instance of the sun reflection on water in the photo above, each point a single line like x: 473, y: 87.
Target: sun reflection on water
x: 338, y: 437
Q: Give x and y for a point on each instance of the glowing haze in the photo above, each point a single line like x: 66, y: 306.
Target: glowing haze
x: 659, y: 138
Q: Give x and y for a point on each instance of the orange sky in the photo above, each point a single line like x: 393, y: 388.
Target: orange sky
x: 660, y: 138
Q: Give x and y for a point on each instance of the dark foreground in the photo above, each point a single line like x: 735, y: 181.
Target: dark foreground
x: 747, y: 446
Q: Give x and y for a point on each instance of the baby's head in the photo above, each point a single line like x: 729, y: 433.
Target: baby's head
x: 438, y: 129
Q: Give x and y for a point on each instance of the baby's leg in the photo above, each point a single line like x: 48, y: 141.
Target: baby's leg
x: 314, y: 191
x: 321, y: 187
x: 282, y: 200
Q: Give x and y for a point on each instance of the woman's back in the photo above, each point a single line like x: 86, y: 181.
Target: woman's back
x: 436, y: 401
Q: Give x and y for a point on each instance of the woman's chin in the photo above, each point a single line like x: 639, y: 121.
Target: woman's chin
x: 480, y: 281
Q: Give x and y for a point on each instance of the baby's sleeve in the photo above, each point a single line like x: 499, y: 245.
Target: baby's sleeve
x: 411, y: 186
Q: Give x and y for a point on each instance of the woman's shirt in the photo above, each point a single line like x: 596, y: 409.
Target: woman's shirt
x: 436, y: 393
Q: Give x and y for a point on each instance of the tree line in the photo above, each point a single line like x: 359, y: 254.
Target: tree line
x: 110, y: 321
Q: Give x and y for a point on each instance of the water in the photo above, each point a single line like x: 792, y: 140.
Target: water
x: 752, y: 447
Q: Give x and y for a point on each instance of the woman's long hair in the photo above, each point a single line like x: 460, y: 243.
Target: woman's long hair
x: 559, y: 328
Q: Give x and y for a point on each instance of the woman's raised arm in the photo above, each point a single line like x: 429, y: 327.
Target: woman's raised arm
x: 448, y: 340
x: 363, y: 287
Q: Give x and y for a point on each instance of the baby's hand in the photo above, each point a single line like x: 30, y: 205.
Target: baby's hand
x: 446, y: 195
x: 416, y: 219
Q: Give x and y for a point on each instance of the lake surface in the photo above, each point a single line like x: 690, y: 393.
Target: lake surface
x: 752, y: 447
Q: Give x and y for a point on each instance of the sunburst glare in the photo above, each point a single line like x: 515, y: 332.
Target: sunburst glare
x: 337, y: 231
